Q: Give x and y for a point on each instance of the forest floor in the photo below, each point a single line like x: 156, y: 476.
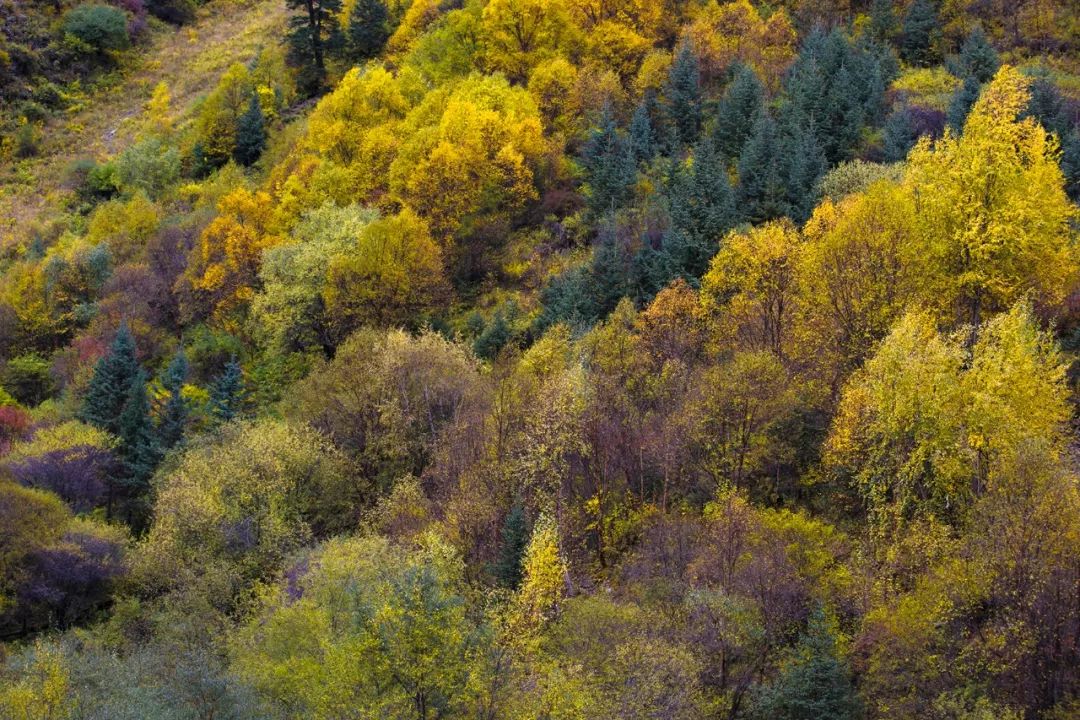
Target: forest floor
x: 190, y: 59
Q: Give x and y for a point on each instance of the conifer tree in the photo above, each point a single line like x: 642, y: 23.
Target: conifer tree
x: 815, y: 685
x: 806, y: 164
x: 683, y: 94
x: 610, y: 164
x: 369, y: 29
x: 739, y: 108
x: 762, y: 193
x: 978, y: 58
x: 173, y: 421
x: 921, y: 34
x: 250, y: 134
x: 702, y: 206
x: 608, y: 274
x: 313, y: 30
x: 882, y: 20
x: 108, y: 390
x: 643, y: 141
x: 139, y: 450
x: 227, y: 394
x: 845, y: 113
x: 899, y: 136
x: 515, y: 538
x: 962, y: 101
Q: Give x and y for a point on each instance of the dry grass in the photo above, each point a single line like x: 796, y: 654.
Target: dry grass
x: 188, y: 59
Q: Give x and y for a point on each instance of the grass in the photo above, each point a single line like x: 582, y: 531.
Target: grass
x: 190, y: 59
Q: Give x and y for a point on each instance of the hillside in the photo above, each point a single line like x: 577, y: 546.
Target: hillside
x: 539, y: 359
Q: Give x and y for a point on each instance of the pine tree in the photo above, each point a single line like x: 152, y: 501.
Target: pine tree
x: 806, y: 165
x: 173, y: 420
x: 962, y: 101
x: 815, y: 685
x: 643, y: 142
x: 1070, y: 163
x: 313, y: 30
x: 845, y: 113
x: 250, y: 134
x: 683, y: 94
x: 610, y: 166
x: 762, y: 193
x: 739, y: 108
x: 702, y: 206
x: 369, y: 29
x: 921, y: 34
x: 108, y: 390
x: 900, y: 135
x: 227, y: 394
x: 139, y: 450
x: 882, y: 20
x: 652, y: 269
x: 515, y: 538
x: 608, y: 275
x: 978, y: 57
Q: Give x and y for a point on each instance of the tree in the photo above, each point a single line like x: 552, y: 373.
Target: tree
x: 139, y: 450
x: 514, y: 540
x: 107, y: 393
x: 882, y: 20
x: 921, y: 34
x: 369, y: 28
x: 250, y: 133
x: 701, y: 205
x: 172, y: 420
x: 805, y: 164
x: 227, y: 394
x: 102, y: 27
x: 978, y: 59
x: 963, y: 99
x: 313, y: 29
x: 682, y: 93
x: 612, y: 172
x: 740, y: 107
x: 815, y: 684
x: 762, y: 191
x: 642, y: 134
x: 899, y: 135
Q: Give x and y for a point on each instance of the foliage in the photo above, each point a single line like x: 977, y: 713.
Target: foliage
x: 100, y: 27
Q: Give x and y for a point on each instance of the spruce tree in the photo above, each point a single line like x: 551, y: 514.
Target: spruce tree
x: 610, y: 167
x: 227, y: 394
x: 806, y: 164
x: 882, y: 20
x: 515, y: 538
x: 815, y: 685
x: 683, y: 94
x: 139, y: 450
x: 1070, y: 163
x: 643, y: 141
x: 762, y: 193
x: 899, y: 136
x: 250, y: 133
x: 978, y: 58
x: 369, y: 29
x: 702, y: 206
x: 174, y: 415
x: 108, y: 390
x: 313, y: 31
x: 845, y: 114
x: 651, y: 270
x: 962, y: 101
x: 738, y: 110
x: 608, y: 274
x: 921, y: 33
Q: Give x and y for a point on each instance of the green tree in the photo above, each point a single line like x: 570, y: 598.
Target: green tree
x: 815, y: 684
x: 313, y: 31
x: 739, y: 109
x: 228, y: 395
x: 250, y: 133
x: 610, y: 164
x: 963, y: 99
x: 139, y: 450
x: 804, y: 166
x: 762, y: 191
x: 702, y: 205
x: 102, y: 27
x: 899, y: 135
x: 110, y: 385
x: 172, y: 423
x: 643, y: 140
x: 513, y: 541
x: 978, y: 58
x: 921, y: 34
x: 882, y: 20
x: 682, y: 91
x: 369, y: 28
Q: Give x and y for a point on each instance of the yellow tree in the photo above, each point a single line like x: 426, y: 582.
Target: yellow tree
x: 992, y: 210
x: 522, y: 33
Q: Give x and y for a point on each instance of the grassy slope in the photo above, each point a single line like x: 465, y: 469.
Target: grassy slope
x: 189, y: 59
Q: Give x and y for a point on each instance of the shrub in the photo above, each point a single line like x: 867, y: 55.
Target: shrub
x: 28, y: 379
x: 100, y: 26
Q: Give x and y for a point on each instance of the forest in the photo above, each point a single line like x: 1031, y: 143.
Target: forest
x: 539, y: 360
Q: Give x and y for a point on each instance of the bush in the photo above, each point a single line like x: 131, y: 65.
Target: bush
x: 100, y: 26
x: 28, y: 379
x: 177, y: 12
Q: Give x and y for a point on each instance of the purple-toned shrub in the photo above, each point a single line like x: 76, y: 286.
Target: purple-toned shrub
x: 77, y: 474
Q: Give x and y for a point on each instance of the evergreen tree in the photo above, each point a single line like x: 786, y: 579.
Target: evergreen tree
x: 978, y: 58
x: 882, y: 20
x: 738, y: 110
x: 1070, y: 163
x: 139, y: 450
x: 762, y: 193
x: 173, y: 421
x: 643, y: 141
x: 815, y: 685
x: 900, y: 135
x: 250, y: 133
x: 515, y: 538
x: 652, y: 269
x: 921, y: 34
x: 108, y: 390
x: 962, y: 101
x: 313, y: 30
x: 608, y: 274
x: 702, y: 206
x: 806, y: 165
x: 227, y: 394
x: 845, y: 114
x: 369, y: 29
x: 683, y: 94
x: 610, y: 167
